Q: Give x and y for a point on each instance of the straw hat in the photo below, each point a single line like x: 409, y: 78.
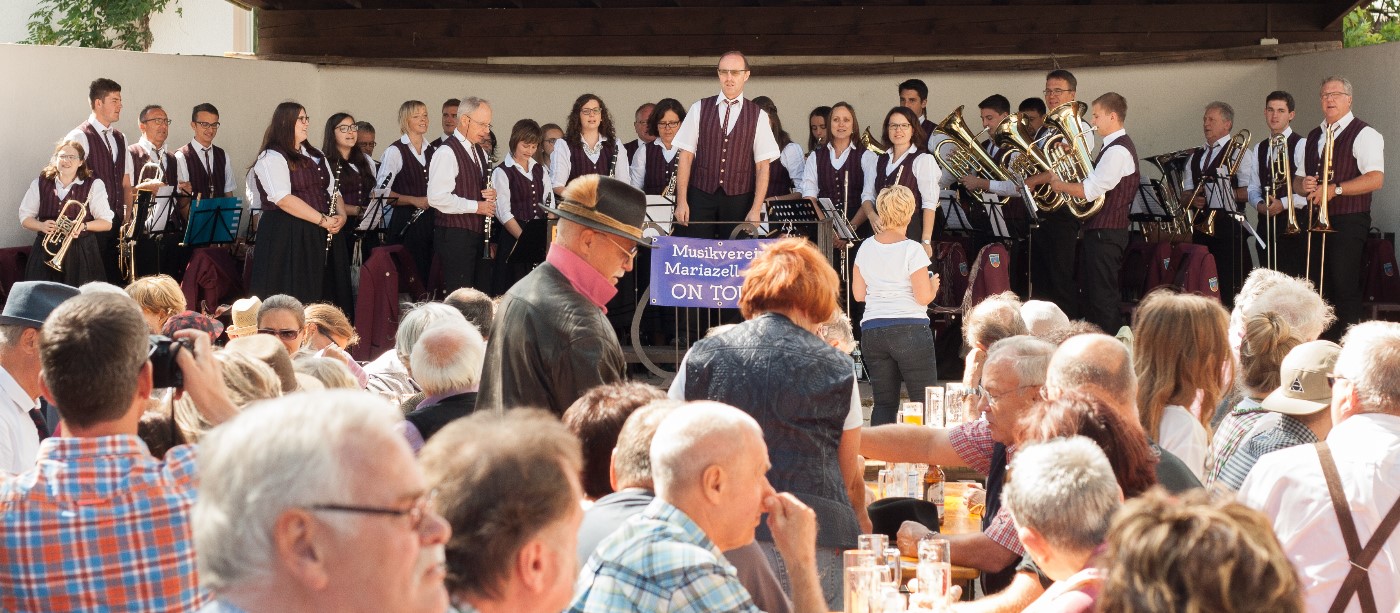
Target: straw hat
x: 245, y: 317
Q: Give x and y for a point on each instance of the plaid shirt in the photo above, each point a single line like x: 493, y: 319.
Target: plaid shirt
x: 1230, y: 435
x: 659, y: 561
x: 1288, y: 433
x: 972, y: 441
x: 99, y: 525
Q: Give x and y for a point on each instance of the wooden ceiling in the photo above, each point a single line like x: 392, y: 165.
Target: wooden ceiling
x: 437, y: 29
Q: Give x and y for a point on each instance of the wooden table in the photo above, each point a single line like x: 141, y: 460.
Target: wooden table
x: 956, y: 520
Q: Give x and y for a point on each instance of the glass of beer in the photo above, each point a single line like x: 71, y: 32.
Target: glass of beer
x: 912, y: 413
x: 933, y: 406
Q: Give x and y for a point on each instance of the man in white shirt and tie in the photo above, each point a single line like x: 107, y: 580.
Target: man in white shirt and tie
x: 726, y: 143
x: 1210, y: 167
x: 22, y: 424
x: 205, y: 169
x: 1282, y: 251
x: 109, y: 160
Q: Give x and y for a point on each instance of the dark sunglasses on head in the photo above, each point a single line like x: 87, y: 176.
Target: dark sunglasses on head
x: 286, y: 335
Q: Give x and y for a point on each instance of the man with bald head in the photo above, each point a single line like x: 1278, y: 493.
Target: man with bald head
x: 708, y: 463
x: 1100, y: 365
x: 1011, y: 381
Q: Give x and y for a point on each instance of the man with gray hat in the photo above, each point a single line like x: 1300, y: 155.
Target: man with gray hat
x: 551, y: 340
x: 1335, y: 505
x: 1300, y: 401
x: 22, y: 423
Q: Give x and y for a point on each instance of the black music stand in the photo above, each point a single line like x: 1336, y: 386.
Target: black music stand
x: 374, y: 218
x: 213, y: 221
x: 793, y: 217
x: 1148, y: 205
x: 533, y: 243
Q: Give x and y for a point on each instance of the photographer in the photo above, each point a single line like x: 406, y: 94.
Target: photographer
x: 98, y: 484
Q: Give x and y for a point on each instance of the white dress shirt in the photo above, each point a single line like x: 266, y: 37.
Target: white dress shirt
x: 230, y: 182
x: 765, y: 145
x: 156, y: 154
x: 809, y: 185
x: 97, y: 199
x: 1288, y: 486
x: 926, y: 171
x: 77, y: 135
x: 500, y: 180
x: 1215, y: 198
x: 560, y: 162
x: 1184, y: 436
x: 1115, y: 164
x: 793, y: 160
x: 19, y: 439
x: 391, y: 162
x: 1368, y: 148
x: 1254, y: 182
x: 276, y: 177
x: 442, y: 179
x: 639, y: 162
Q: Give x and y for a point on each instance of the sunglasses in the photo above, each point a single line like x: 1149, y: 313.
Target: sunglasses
x: 286, y: 335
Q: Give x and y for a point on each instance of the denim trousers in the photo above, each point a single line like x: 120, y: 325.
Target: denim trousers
x: 895, y: 355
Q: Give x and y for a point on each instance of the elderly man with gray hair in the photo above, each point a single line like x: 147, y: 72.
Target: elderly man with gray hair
x: 446, y: 363
x: 1208, y: 180
x: 312, y: 502
x: 460, y: 192
x: 1011, y: 382
x: 1063, y: 498
x: 1335, y: 505
x: 709, y: 463
x: 388, y: 374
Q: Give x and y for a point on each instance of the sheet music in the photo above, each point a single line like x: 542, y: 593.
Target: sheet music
x: 660, y: 213
x: 162, y: 205
x: 372, y: 211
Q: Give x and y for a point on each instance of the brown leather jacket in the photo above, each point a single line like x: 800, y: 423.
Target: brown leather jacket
x: 549, y: 345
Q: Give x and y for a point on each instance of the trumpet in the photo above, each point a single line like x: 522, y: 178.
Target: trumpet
x: 1230, y: 163
x: 67, y: 227
x: 966, y: 156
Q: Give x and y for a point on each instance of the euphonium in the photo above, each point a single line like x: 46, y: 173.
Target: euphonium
x: 1010, y: 134
x: 868, y: 141
x: 1074, y: 164
x: 966, y: 156
x: 66, y: 228
x: 1172, y: 166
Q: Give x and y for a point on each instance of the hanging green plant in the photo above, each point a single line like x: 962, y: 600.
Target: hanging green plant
x: 103, y: 24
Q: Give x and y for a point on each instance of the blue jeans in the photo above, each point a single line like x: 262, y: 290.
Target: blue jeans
x: 829, y: 573
x: 895, y: 355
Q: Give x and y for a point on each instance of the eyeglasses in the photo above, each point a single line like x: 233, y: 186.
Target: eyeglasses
x: 899, y: 126
x: 631, y: 254
x: 300, y: 119
x: 415, y: 513
x: 157, y: 121
x: 471, y: 121
x: 1333, y: 378
x: 592, y: 112
x: 668, y: 124
x: 993, y: 399
x: 1057, y: 91
x: 1333, y: 95
x: 346, y: 129
x: 67, y: 157
x: 286, y: 335
x: 214, y: 125
x: 730, y: 73
x: 369, y: 143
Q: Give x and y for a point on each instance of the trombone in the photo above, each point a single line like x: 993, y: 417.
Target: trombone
x: 1230, y: 163
x: 1323, y: 224
x: 1279, y: 186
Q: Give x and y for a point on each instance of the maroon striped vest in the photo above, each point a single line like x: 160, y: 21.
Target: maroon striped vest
x: 1344, y: 167
x: 724, y: 162
x: 580, y: 165
x: 353, y: 187
x: 309, y: 179
x: 659, y: 171
x: 928, y: 126
x: 470, y: 181
x: 1208, y: 168
x: 632, y: 147
x: 99, y: 160
x: 50, y: 205
x: 202, y: 182
x: 412, y: 178
x: 779, y: 179
x: 1117, y: 202
x: 139, y: 159
x: 525, y: 192
x: 906, y: 178
x: 842, y: 185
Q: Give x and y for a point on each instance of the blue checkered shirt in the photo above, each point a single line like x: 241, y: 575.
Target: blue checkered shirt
x: 659, y: 561
x: 1288, y: 433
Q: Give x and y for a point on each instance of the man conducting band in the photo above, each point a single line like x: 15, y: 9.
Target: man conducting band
x: 1210, y: 166
x: 205, y: 168
x: 726, y: 143
x: 1115, y: 176
x: 1358, y: 168
x: 459, y: 190
x: 1287, y: 252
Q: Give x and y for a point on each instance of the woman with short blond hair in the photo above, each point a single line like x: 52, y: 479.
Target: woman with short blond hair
x: 160, y: 299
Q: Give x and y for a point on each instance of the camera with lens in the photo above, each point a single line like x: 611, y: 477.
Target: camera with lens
x: 165, y: 371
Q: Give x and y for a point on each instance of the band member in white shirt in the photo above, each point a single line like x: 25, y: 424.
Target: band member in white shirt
x: 66, y: 178
x: 107, y: 158
x: 459, y: 188
x: 1283, y: 251
x: 1209, y: 169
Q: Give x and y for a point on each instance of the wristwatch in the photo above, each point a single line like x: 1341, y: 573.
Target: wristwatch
x: 1338, y: 191
x: 928, y: 242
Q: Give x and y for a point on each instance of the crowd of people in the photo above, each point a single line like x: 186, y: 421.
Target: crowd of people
x: 496, y: 458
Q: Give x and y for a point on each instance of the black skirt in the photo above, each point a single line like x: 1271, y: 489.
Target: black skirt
x: 291, y: 258
x: 81, y: 264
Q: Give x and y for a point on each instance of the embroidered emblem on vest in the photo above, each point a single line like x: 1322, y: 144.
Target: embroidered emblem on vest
x: 1166, y: 263
x: 1214, y: 284
x: 995, y: 259
x: 1297, y: 386
x: 962, y: 269
x: 1389, y: 269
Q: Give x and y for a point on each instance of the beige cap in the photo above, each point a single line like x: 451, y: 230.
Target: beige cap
x: 245, y: 317
x: 1041, y: 317
x: 1303, y: 388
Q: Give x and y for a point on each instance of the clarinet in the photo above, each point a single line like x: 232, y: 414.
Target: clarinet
x: 332, y: 209
x: 486, y: 227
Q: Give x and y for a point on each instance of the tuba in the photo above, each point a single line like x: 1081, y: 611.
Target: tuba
x: 67, y: 227
x: 966, y: 156
x: 1011, y: 134
x: 1070, y: 162
x: 1230, y: 163
x: 1172, y: 167
x: 868, y: 142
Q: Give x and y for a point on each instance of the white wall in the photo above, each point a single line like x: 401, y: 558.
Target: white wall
x: 205, y: 27
x: 1165, y: 101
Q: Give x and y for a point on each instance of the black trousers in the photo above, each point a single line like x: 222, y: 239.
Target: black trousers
x: 1232, y: 262
x: 458, y: 250
x: 729, y: 211
x: 107, y: 250
x: 1289, y: 251
x: 417, y: 237
x: 1100, y: 263
x: 1341, y: 271
x: 1052, y: 261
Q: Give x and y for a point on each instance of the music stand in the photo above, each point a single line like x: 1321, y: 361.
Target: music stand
x: 533, y: 243
x: 213, y: 220
x: 373, y: 220
x: 1148, y: 205
x: 794, y: 217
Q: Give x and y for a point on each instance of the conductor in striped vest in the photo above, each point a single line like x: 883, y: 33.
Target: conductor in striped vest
x: 1358, y: 168
x: 460, y: 191
x: 109, y: 160
x: 1105, y: 234
x: 726, y: 143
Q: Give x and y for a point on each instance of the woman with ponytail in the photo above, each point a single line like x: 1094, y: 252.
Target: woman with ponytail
x: 1267, y: 339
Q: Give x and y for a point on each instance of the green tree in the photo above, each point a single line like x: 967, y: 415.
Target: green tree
x: 104, y: 24
x: 1378, y: 22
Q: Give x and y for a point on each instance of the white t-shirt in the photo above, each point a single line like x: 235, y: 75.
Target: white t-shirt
x: 886, y: 270
x: 1185, y: 437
